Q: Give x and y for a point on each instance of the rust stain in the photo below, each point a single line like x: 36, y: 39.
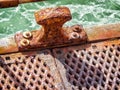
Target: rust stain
x: 8, y: 49
x: 107, y: 34
x: 117, y: 42
x: 103, y: 32
x: 12, y: 3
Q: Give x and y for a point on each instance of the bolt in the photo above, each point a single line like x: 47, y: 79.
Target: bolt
x: 75, y: 35
x: 27, y: 35
x: 77, y: 28
x: 24, y: 42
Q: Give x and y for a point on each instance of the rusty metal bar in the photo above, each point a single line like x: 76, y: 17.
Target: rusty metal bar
x: 13, y: 3
x: 94, y: 33
x: 8, y: 45
x: 103, y: 32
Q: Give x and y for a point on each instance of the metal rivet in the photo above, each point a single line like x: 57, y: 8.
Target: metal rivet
x: 27, y: 34
x: 24, y: 42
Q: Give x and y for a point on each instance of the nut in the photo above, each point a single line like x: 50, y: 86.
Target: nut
x: 27, y: 34
x: 24, y: 42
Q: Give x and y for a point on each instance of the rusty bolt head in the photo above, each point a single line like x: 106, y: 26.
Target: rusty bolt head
x: 75, y: 35
x: 77, y: 28
x: 27, y: 35
x: 24, y: 42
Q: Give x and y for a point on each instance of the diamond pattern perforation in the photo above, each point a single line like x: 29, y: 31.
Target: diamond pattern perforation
x: 29, y: 71
x: 90, y: 67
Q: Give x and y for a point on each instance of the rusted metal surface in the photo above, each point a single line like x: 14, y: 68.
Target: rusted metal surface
x: 8, y: 3
x: 93, y: 66
x: 8, y: 45
x: 103, y: 32
x: 87, y: 66
x: 52, y: 34
x: 93, y: 33
x: 13, y: 3
x: 29, y: 71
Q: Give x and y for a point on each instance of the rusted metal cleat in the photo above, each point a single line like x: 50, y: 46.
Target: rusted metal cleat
x: 52, y: 34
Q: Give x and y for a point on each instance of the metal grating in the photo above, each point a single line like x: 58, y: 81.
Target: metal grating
x: 93, y: 66
x: 29, y: 71
x: 90, y: 67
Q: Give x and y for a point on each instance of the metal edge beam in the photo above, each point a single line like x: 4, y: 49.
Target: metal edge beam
x: 96, y: 33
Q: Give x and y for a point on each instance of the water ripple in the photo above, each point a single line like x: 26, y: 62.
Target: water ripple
x: 86, y: 12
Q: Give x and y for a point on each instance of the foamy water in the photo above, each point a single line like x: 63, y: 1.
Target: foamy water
x: 85, y: 12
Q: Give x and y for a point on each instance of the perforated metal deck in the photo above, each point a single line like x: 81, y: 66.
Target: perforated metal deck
x: 90, y: 67
x: 93, y: 66
x: 29, y: 71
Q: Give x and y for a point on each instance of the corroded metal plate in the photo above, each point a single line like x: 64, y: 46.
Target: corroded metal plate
x: 93, y: 66
x: 29, y: 71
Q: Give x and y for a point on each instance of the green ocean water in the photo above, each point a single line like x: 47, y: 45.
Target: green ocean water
x: 85, y: 12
